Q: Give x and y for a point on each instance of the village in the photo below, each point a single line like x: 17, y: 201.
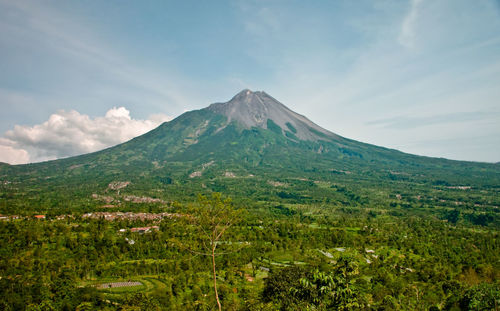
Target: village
x: 130, y: 216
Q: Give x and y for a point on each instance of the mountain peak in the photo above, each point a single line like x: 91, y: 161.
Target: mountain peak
x: 245, y: 92
x: 255, y: 109
x: 250, y: 97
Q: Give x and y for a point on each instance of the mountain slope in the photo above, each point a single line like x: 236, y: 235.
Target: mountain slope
x: 252, y: 148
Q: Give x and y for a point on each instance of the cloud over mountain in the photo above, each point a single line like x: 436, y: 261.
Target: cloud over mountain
x: 69, y: 133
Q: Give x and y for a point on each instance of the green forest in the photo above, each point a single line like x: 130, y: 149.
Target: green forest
x: 275, y: 257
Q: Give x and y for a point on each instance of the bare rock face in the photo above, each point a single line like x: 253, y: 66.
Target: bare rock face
x: 254, y: 109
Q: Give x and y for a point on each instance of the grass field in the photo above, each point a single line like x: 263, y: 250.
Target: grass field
x: 150, y: 283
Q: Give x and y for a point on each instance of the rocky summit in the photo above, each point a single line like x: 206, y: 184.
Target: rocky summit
x: 255, y: 109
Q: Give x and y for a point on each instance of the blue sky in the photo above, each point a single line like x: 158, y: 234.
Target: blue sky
x: 420, y: 76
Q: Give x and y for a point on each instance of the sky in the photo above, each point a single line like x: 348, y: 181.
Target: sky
x: 420, y: 76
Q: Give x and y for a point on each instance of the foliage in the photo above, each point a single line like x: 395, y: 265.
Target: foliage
x: 297, y: 288
x: 482, y: 297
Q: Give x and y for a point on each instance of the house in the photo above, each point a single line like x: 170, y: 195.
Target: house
x: 39, y: 216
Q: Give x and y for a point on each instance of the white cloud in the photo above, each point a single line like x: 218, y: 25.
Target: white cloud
x: 407, y: 34
x: 10, y: 154
x: 69, y: 133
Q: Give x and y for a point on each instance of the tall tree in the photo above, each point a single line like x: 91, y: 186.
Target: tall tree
x: 212, y: 218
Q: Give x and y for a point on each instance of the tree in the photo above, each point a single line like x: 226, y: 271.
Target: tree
x: 483, y: 296
x: 279, y: 284
x: 295, y: 288
x: 212, y: 217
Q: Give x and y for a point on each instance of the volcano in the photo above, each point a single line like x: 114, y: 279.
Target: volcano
x: 251, y: 147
